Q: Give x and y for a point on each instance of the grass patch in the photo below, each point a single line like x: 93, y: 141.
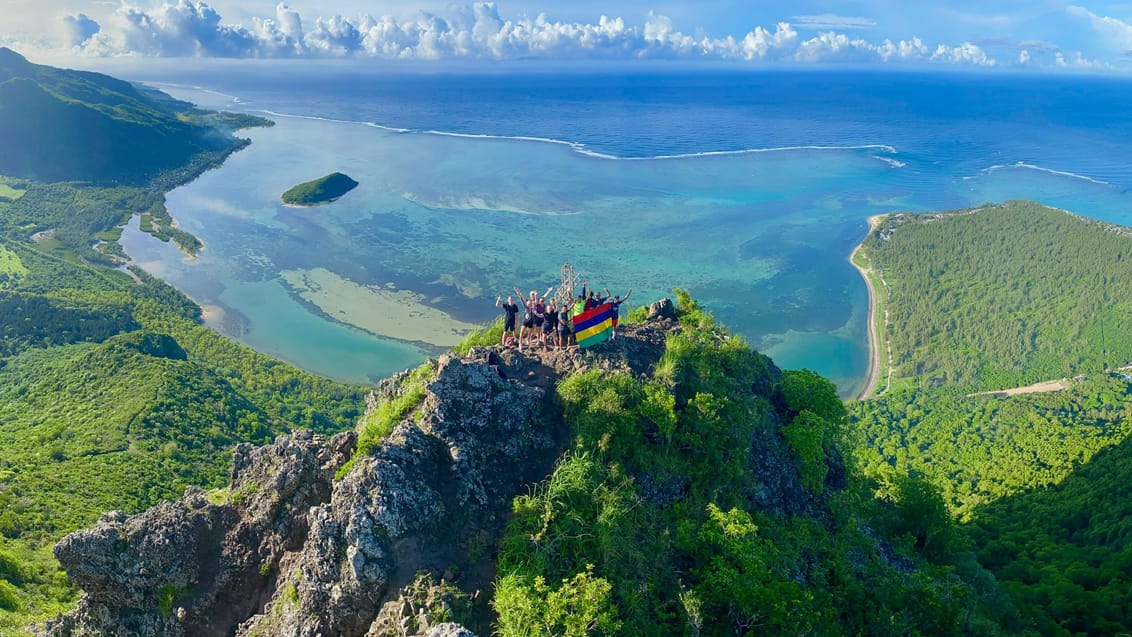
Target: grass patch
x: 486, y: 336
x: 10, y: 264
x: 167, y: 596
x: 379, y: 423
x: 9, y: 193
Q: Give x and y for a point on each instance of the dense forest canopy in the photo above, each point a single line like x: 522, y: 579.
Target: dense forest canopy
x: 1003, y: 296
x: 994, y: 298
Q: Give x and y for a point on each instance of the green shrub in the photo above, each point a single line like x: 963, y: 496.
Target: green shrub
x: 486, y: 336
x: 805, y: 436
x: 579, y: 607
x: 9, y: 596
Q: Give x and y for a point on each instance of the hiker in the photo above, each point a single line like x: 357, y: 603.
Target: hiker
x: 540, y: 319
x: 615, y: 304
x: 529, y: 315
x: 549, y: 324
x: 593, y: 300
x: 580, y: 303
x: 564, y: 325
x: 512, y: 311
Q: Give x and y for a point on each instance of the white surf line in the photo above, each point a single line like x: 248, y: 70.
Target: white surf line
x: 1052, y: 171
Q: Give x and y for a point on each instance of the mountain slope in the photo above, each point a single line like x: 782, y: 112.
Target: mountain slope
x: 112, y: 395
x: 64, y: 125
x: 1064, y: 552
x: 696, y: 489
x: 989, y: 299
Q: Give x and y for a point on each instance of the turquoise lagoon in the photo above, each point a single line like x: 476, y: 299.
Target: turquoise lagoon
x: 761, y: 237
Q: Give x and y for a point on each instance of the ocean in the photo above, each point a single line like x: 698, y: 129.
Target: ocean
x: 748, y: 189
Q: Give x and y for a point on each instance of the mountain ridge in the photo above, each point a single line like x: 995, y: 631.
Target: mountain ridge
x: 441, y: 508
x: 84, y: 126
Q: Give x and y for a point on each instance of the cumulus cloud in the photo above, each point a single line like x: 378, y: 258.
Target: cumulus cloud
x: 966, y: 53
x: 78, y: 29
x: 481, y: 31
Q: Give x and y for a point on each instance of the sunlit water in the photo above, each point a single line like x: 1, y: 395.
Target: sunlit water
x: 750, y: 191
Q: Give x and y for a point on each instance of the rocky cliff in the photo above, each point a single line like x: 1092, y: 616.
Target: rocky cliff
x: 402, y: 542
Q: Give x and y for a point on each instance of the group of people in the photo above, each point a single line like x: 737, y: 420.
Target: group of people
x: 548, y: 324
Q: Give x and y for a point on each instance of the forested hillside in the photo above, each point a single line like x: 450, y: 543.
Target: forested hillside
x: 1064, y: 552
x: 714, y: 497
x: 112, y: 396
x: 1003, y: 296
x: 61, y: 125
x: 995, y: 298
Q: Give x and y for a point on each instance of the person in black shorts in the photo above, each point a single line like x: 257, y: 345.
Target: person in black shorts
x: 549, y: 323
x: 564, y: 325
x: 512, y: 310
x: 540, y: 316
x: 615, y: 305
x: 529, y: 315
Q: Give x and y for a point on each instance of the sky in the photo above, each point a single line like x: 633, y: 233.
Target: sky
x: 988, y: 34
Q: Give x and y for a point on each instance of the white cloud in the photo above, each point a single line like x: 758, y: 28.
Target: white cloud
x: 966, y: 53
x: 78, y: 29
x: 481, y: 31
x: 1117, y: 32
x: 831, y: 21
x: 1023, y: 57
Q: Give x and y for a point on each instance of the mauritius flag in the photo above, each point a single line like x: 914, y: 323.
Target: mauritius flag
x: 594, y: 325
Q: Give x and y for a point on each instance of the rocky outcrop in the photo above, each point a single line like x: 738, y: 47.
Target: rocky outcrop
x: 289, y: 550
x: 435, y: 489
x: 197, y: 566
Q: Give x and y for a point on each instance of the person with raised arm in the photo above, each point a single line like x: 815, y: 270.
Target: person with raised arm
x: 529, y: 315
x: 580, y: 304
x: 512, y: 310
x: 616, y: 305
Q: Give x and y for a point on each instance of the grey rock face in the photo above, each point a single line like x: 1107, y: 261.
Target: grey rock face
x: 196, y: 567
x: 436, y: 483
x: 290, y: 551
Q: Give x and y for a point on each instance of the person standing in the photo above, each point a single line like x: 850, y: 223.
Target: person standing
x: 529, y: 316
x: 615, y: 304
x: 549, y: 324
x: 564, y: 325
x: 580, y: 304
x: 540, y: 319
x: 511, y: 310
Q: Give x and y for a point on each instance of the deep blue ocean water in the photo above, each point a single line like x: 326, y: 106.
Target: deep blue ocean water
x: 749, y: 189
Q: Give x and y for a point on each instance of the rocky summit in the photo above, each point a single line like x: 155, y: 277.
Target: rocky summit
x: 411, y: 528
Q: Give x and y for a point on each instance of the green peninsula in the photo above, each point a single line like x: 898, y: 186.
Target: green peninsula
x: 320, y: 191
x: 999, y: 329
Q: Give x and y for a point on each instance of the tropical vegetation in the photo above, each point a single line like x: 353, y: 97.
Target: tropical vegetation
x: 112, y: 394
x: 321, y: 190
x: 655, y: 521
x: 979, y: 302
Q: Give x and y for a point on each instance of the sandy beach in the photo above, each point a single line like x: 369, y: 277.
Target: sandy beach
x: 874, y: 340
x: 384, y: 311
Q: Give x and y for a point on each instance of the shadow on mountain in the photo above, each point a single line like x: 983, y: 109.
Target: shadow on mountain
x: 76, y: 125
x: 1064, y: 552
